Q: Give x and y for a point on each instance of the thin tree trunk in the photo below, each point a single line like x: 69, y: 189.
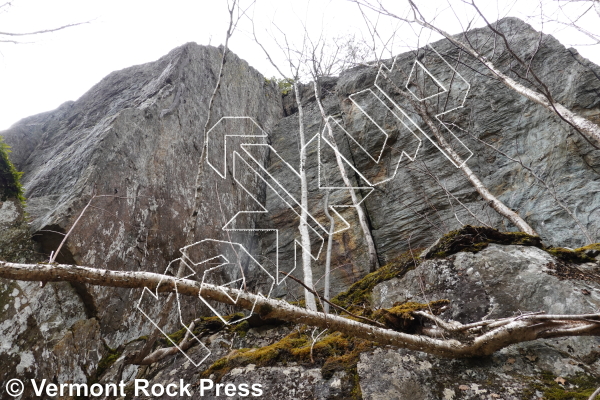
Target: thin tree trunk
x: 362, y: 218
x: 328, y: 254
x: 304, y: 236
x: 492, y: 200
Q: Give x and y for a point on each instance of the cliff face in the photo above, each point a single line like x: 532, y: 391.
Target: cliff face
x: 416, y: 203
x: 134, y: 141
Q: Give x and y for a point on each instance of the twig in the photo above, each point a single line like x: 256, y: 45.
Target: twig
x: 370, y: 321
x: 314, y: 341
x: 43, y: 31
x: 53, y: 257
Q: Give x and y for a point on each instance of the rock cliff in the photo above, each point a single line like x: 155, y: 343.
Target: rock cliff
x: 129, y: 148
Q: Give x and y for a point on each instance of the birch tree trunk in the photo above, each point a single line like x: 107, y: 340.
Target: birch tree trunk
x: 587, y: 128
x: 304, y: 236
x: 492, y: 200
x: 362, y: 218
x: 327, y: 283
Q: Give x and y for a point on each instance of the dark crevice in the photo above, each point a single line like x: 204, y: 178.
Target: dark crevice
x: 49, y: 238
x: 86, y: 298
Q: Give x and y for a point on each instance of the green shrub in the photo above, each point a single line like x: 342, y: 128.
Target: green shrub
x: 10, y: 178
x: 285, y: 85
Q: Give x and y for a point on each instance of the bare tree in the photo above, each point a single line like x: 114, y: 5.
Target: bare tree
x: 306, y: 256
x: 539, y: 93
x: 492, y: 200
x: 572, y: 19
x: 533, y: 86
x: 294, y: 57
x: 429, y: 112
x: 327, y: 283
x: 435, y: 336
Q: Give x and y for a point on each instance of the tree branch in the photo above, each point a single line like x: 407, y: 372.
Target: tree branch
x: 589, y: 130
x: 341, y: 309
x: 44, y: 30
x: 512, y: 330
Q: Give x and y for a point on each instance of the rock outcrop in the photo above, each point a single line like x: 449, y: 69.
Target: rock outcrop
x: 496, y: 282
x: 134, y: 140
x: 130, y: 147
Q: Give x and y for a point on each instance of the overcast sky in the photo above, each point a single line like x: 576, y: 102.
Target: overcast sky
x: 57, y: 67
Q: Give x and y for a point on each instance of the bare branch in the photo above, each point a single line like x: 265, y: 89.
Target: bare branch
x: 341, y: 309
x: 511, y: 330
x: 589, y: 130
x: 488, y: 196
x: 597, y: 392
x: 53, y: 257
x: 42, y: 31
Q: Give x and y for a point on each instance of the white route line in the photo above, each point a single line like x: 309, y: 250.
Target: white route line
x: 156, y: 297
x: 382, y: 72
x: 186, y: 250
x: 440, y: 84
x: 250, y: 162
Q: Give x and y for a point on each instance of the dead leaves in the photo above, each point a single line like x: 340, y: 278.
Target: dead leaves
x: 560, y: 380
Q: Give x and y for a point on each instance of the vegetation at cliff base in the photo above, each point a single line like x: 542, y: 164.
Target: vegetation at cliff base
x: 476, y: 238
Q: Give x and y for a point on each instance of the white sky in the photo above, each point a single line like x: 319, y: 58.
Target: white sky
x: 61, y: 66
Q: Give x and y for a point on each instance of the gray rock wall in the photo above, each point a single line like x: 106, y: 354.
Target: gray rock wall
x: 418, y: 209
x: 500, y: 281
x: 136, y: 137
x: 134, y: 142
x: 430, y: 196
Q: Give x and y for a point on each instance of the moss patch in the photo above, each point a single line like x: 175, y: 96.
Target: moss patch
x: 594, y: 248
x: 10, y: 178
x: 334, y: 352
x: 106, y: 362
x: 210, y: 325
x: 568, y: 255
x: 359, y: 294
x: 285, y: 85
x: 176, y: 337
x: 577, y: 256
x: 401, y: 317
x: 204, y: 326
x: 241, y: 329
x: 265, y: 309
x: 476, y: 238
x: 575, y: 387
